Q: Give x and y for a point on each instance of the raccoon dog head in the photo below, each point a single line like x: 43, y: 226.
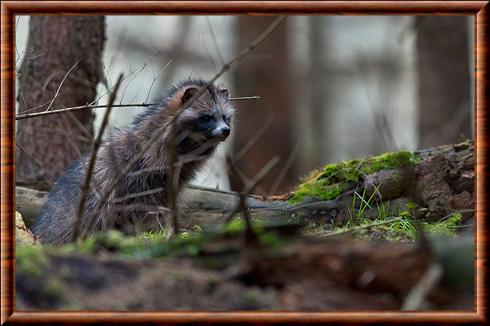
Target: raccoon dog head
x: 207, y: 119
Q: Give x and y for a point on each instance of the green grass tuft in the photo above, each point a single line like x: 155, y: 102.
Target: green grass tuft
x: 445, y: 227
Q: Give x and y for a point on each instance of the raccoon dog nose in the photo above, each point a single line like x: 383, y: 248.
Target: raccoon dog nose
x: 225, y: 131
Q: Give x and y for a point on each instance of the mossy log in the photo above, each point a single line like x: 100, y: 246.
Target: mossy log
x: 439, y: 181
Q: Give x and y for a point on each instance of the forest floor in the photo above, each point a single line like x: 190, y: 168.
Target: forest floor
x: 353, y: 236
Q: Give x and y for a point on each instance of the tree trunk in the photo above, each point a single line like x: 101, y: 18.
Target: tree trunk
x: 61, y: 68
x: 319, y: 146
x: 444, y: 80
x: 272, y: 116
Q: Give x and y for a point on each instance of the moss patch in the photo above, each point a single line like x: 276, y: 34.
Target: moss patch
x: 152, y: 245
x: 30, y: 260
x: 333, y: 179
x: 404, y: 229
x: 445, y: 227
x: 147, y: 245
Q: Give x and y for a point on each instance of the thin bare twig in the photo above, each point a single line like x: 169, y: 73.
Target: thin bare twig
x: 141, y: 207
x: 155, y: 78
x: 218, y: 191
x: 56, y: 131
x: 83, y: 129
x: 252, y: 184
x: 253, y: 140
x: 417, y: 295
x: 135, y: 74
x: 173, y: 181
x: 88, y: 107
x: 285, y: 169
x: 184, y: 27
x: 97, y: 142
x: 41, y: 164
x: 381, y: 120
x: 250, y: 236
x: 138, y: 194
x: 61, y: 84
x: 215, y: 41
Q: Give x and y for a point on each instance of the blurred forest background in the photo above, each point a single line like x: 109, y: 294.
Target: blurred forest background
x: 331, y: 87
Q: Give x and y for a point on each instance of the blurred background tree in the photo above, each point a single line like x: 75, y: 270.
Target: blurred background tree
x: 273, y: 116
x: 331, y: 87
x: 444, y: 80
x: 61, y: 67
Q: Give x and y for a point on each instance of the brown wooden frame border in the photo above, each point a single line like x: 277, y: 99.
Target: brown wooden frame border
x: 479, y: 9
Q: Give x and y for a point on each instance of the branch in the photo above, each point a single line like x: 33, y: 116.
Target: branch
x: 173, y: 177
x: 251, y: 185
x: 89, y: 107
x: 97, y: 142
x: 250, y: 236
x: 417, y: 295
x: 61, y: 84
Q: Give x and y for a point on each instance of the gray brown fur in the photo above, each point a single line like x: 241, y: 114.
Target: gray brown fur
x: 197, y: 138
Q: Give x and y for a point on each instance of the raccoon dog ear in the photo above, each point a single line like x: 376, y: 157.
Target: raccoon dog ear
x: 188, y: 94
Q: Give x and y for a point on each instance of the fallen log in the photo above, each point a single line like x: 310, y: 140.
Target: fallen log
x: 439, y: 180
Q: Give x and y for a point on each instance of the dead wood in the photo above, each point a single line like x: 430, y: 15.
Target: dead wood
x: 442, y: 182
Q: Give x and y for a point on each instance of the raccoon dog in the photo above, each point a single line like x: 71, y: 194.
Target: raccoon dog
x: 199, y: 129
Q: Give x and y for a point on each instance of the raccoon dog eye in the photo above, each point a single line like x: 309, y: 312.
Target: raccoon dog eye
x: 205, y: 118
x: 224, y: 92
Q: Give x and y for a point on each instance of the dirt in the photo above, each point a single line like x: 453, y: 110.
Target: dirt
x: 334, y: 274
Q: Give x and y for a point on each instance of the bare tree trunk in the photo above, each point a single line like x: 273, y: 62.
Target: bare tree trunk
x: 319, y: 90
x: 444, y: 80
x: 61, y: 67
x: 275, y: 86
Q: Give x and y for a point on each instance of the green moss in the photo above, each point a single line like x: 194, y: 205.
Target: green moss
x: 88, y: 245
x: 329, y: 182
x: 113, y: 241
x: 145, y: 245
x: 318, y: 190
x: 31, y: 260
x: 445, y: 227
x: 387, y: 161
x: 154, y: 235
x: 54, y: 287
x: 184, y: 244
x: 270, y: 239
x: 235, y: 226
x: 155, y: 244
